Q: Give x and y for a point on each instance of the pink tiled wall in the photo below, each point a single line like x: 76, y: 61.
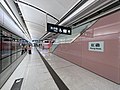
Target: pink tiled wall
x: 107, y: 63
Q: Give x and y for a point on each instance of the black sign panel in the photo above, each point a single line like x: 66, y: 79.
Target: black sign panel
x: 58, y: 29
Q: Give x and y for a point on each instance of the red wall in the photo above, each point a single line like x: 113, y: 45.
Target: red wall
x: 107, y: 63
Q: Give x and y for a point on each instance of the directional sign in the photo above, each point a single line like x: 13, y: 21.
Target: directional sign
x: 58, y: 29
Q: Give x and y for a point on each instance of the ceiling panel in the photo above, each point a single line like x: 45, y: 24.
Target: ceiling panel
x: 36, y: 20
x: 55, y: 7
x: 35, y: 29
x: 32, y: 15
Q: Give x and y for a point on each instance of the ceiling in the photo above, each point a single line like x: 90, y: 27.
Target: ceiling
x: 35, y: 19
x: 32, y: 16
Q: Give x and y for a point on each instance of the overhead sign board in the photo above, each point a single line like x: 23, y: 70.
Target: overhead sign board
x: 58, y: 29
x: 96, y: 46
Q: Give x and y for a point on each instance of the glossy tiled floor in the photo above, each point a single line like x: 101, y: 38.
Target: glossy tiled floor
x: 37, y: 77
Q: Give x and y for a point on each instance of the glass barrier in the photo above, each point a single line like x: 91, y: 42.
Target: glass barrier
x: 6, y: 62
x: 10, y: 48
x: 76, y: 32
x: 6, y: 43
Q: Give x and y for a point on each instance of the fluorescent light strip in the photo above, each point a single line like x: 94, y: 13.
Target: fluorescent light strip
x: 71, y: 8
x: 6, y: 7
x: 78, y: 10
x: 11, y: 14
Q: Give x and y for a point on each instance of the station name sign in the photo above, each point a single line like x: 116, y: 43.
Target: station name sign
x: 96, y: 46
x: 58, y: 29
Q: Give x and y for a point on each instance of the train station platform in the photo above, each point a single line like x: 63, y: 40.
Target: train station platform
x: 45, y: 71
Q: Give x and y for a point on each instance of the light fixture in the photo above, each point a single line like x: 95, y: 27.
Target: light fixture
x: 11, y: 14
x: 8, y: 10
x: 88, y: 3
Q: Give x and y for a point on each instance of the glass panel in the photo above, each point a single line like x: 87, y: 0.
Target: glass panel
x: 6, y: 44
x: 5, y: 62
x: 0, y: 44
x: 14, y: 57
x: 62, y: 38
x: 14, y: 47
x: 0, y: 52
x: 18, y: 54
x: 75, y: 33
x: 18, y: 44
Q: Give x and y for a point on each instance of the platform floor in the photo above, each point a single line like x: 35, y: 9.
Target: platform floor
x: 37, y: 77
